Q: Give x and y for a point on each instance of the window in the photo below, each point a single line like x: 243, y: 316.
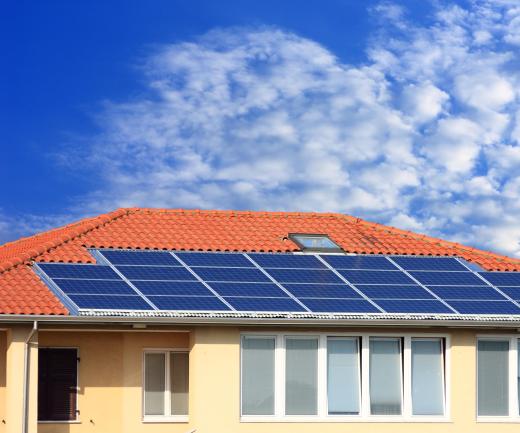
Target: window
x: 165, y: 385
x: 343, y: 377
x: 314, y: 243
x: 498, y: 378
x: 57, y: 384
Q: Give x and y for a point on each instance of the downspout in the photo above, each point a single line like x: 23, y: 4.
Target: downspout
x: 26, y: 371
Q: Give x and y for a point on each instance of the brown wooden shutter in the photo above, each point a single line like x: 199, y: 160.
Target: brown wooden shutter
x: 57, y: 384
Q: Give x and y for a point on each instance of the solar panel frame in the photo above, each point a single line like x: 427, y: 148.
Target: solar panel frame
x: 485, y: 307
x: 264, y: 304
x: 140, y: 258
x: 100, y: 302
x: 261, y: 290
x: 447, y: 264
x: 172, y: 288
x: 359, y: 262
x: 287, y: 261
x: 79, y: 271
x: 511, y: 291
x: 94, y: 287
x: 334, y: 305
x: 412, y: 306
x: 451, y: 278
x: 376, y: 292
x: 311, y: 276
x: 360, y: 276
x: 508, y: 279
x: 189, y: 303
x: 339, y: 291
x: 210, y: 260
x: 244, y: 275
x: 467, y: 292
x: 155, y: 273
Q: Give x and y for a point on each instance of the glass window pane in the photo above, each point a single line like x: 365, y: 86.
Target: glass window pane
x: 385, y: 376
x: 301, y: 376
x: 179, y: 374
x: 154, y: 382
x: 258, y: 376
x: 427, y: 377
x: 343, y: 376
x: 493, y: 378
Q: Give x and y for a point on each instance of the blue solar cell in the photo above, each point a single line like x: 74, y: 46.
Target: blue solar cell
x: 104, y: 302
x: 249, y: 289
x: 413, y: 306
x: 316, y: 276
x: 466, y: 292
x: 159, y: 273
x: 264, y: 304
x: 293, y: 261
x: 322, y: 291
x: 512, y: 292
x: 359, y: 262
x: 231, y: 274
x: 95, y: 287
x: 376, y: 277
x: 159, y: 258
x: 222, y: 260
x: 172, y: 288
x: 395, y: 292
x: 429, y: 263
x: 87, y: 272
x: 485, y: 307
x: 447, y: 278
x: 502, y: 278
x: 189, y: 303
x: 339, y: 305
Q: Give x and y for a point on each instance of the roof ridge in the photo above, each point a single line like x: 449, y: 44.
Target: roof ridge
x: 72, y: 231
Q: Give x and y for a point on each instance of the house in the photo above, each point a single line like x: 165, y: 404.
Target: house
x: 148, y: 320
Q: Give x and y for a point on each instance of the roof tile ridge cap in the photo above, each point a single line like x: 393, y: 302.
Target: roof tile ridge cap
x: 30, y: 255
x: 444, y: 242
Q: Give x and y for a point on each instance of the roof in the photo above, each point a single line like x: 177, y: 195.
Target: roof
x: 22, y: 292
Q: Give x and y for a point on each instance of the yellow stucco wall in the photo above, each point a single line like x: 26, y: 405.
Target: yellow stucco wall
x: 3, y: 349
x: 110, y: 379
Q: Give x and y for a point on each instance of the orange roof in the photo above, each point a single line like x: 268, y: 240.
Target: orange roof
x: 22, y: 292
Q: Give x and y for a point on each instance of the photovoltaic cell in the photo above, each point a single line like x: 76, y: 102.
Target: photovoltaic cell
x: 231, y: 274
x: 249, y: 289
x: 322, y: 291
x: 502, y: 278
x: 447, y: 278
x: 157, y: 258
x: 429, y: 264
x: 172, y: 288
x: 293, y: 261
x: 485, y: 307
x: 187, y: 303
x: 376, y: 277
x: 264, y: 304
x: 155, y: 273
x: 304, y: 276
x: 512, y: 292
x: 395, y: 292
x: 359, y: 262
x: 95, y: 287
x: 87, y: 272
x: 223, y: 260
x: 413, y: 306
x: 104, y: 302
x: 466, y: 292
x: 339, y: 305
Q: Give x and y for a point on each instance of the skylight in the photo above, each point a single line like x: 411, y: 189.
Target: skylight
x: 314, y: 242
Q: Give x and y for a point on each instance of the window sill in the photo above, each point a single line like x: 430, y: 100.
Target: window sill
x: 344, y: 419
x: 165, y: 419
x: 74, y: 421
x: 499, y: 419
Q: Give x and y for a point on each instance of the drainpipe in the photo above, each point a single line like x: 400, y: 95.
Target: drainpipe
x: 26, y: 368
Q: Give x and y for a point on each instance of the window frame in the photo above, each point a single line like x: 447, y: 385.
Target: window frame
x: 167, y: 417
x: 513, y: 373
x: 294, y: 237
x: 363, y: 353
x: 76, y: 420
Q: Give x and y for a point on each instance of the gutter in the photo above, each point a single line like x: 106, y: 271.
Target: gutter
x: 26, y: 372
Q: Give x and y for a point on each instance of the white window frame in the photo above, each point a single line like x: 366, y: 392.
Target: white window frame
x: 364, y: 416
x: 514, y: 410
x: 167, y: 417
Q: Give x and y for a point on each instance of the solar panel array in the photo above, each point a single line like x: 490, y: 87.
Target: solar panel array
x: 270, y: 282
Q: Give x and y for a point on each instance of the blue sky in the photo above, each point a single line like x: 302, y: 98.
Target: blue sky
x: 406, y: 113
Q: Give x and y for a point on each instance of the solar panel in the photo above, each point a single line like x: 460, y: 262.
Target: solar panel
x: 87, y: 272
x: 155, y: 273
x: 447, y: 278
x: 466, y: 292
x: 204, y: 303
x: 502, y: 278
x: 512, y: 292
x: 339, y: 305
x: 376, y: 277
x: 249, y: 289
x: 172, y: 288
x: 395, y: 292
x: 429, y: 263
x: 359, y: 262
x: 413, y: 306
x: 485, y: 307
x: 294, y: 261
x: 159, y: 258
x: 222, y: 260
x: 95, y: 287
x: 264, y: 304
x: 304, y: 276
x: 322, y: 291
x: 231, y: 274
x: 104, y: 302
